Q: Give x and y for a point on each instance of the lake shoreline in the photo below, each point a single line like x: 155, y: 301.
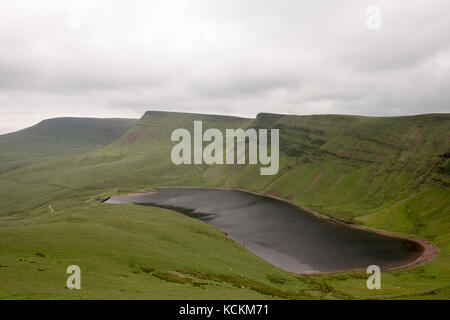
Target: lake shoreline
x: 428, y: 252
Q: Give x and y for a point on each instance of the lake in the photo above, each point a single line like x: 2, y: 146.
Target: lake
x: 283, y: 234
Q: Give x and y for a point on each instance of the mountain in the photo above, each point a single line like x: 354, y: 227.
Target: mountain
x: 391, y: 173
x: 60, y: 136
x: 387, y: 172
x: 344, y: 166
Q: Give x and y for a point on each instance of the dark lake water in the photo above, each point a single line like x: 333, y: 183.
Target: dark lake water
x: 283, y: 234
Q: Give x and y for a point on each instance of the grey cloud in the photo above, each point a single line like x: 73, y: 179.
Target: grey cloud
x: 231, y: 57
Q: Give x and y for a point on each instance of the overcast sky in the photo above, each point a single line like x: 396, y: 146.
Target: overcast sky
x: 237, y: 57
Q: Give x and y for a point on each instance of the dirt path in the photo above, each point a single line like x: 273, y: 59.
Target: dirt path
x: 51, y: 209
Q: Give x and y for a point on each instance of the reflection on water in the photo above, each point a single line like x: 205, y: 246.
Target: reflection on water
x: 281, y: 233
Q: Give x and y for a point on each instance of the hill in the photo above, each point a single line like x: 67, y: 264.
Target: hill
x: 391, y: 173
x: 345, y: 166
x: 60, y: 136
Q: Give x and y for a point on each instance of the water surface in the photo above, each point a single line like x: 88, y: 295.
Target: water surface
x: 281, y: 233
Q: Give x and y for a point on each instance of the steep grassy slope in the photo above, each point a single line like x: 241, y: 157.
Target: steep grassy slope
x: 388, y: 173
x: 60, y: 136
x: 344, y: 166
x: 348, y: 166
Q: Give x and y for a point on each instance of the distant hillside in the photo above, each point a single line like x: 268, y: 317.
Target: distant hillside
x: 354, y: 168
x: 345, y: 166
x: 392, y: 173
x: 60, y: 136
x: 387, y: 172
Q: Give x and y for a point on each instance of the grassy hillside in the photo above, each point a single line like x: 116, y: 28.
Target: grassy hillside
x: 389, y: 173
x: 345, y: 166
x: 60, y: 136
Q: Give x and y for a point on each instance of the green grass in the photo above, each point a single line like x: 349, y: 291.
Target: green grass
x: 382, y: 172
